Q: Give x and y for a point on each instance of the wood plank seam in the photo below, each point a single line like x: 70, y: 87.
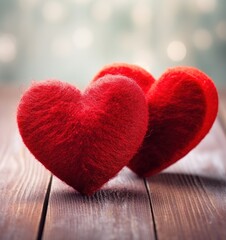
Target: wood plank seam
x: 44, y: 210
x: 121, y: 210
x: 151, y: 207
x: 188, y: 199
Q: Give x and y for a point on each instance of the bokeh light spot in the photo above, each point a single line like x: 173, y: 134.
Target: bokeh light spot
x: 206, y: 6
x: 221, y: 30
x: 202, y: 39
x: 102, y: 10
x: 62, y: 47
x: 8, y: 48
x: 176, y: 51
x: 141, y: 14
x: 53, y: 11
x: 83, y: 37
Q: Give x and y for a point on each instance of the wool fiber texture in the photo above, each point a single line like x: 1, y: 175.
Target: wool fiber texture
x: 86, y: 138
x: 182, y: 107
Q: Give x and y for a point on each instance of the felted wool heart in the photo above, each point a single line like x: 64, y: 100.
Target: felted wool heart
x: 182, y: 104
x: 143, y: 78
x: 84, y: 138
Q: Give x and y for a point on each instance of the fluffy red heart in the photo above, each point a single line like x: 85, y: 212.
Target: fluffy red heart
x: 84, y: 139
x: 182, y: 104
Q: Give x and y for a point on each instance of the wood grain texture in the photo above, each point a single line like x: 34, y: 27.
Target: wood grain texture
x: 23, y: 181
x: 189, y: 198
x: 120, y: 210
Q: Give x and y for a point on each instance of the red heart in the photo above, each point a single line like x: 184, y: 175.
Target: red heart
x: 84, y: 139
x: 182, y: 104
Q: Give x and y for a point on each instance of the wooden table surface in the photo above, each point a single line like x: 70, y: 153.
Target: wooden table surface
x: 186, y: 201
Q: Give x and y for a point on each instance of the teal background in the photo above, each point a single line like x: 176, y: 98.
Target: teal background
x: 71, y: 40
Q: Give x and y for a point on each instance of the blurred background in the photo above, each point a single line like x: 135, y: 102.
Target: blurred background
x: 71, y: 40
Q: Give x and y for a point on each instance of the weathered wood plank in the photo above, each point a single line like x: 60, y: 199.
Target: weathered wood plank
x: 189, y: 198
x: 23, y: 181
x: 121, y: 210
